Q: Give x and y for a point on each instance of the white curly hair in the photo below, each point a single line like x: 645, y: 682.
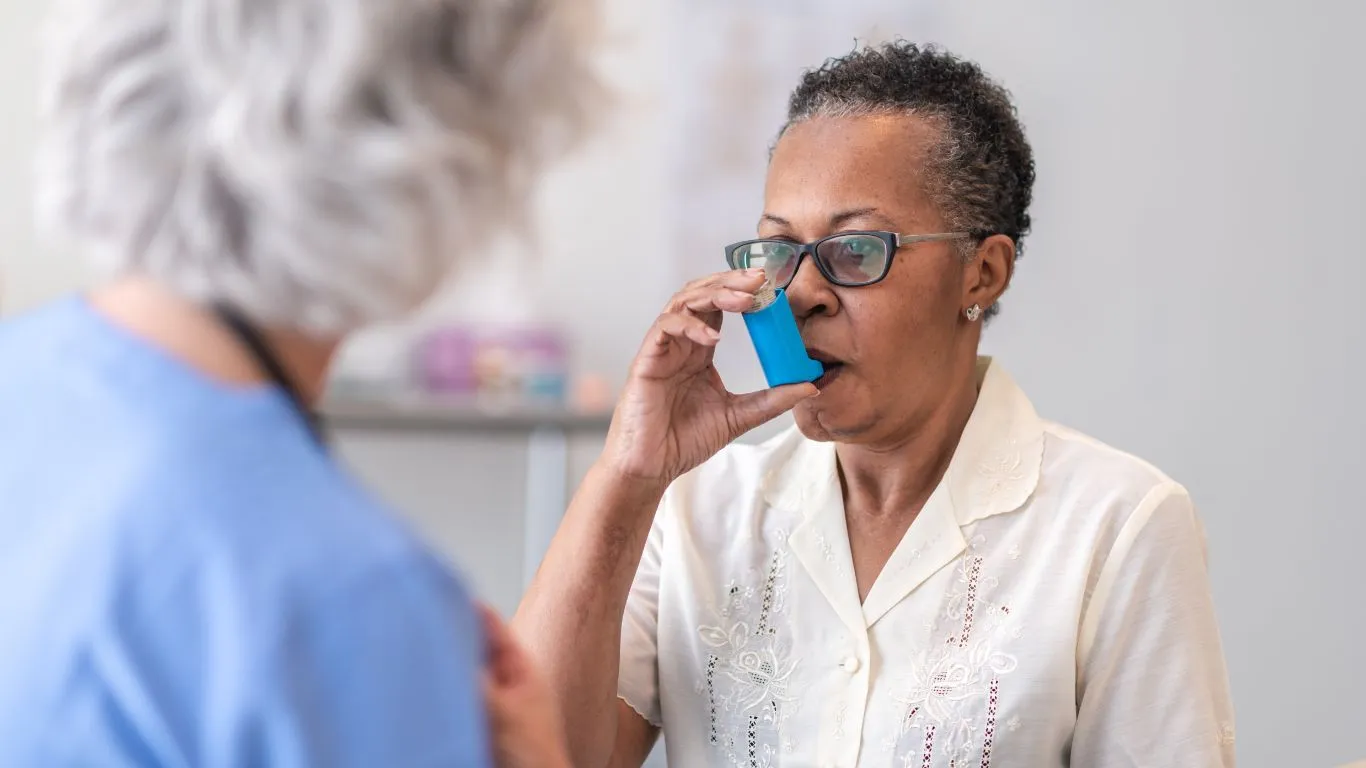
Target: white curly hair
x: 320, y: 164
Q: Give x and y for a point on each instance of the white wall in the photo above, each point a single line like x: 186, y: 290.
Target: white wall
x: 25, y: 277
x: 1190, y: 293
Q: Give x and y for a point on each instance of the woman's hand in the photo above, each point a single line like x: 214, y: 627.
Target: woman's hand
x: 675, y: 412
x: 527, y: 728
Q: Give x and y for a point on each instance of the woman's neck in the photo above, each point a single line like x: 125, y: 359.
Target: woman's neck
x: 193, y: 335
x: 896, y: 478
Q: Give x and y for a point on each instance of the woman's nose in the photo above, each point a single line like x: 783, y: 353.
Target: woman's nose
x: 810, y: 293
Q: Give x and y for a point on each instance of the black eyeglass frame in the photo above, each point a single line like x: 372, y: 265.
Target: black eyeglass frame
x: 891, y: 240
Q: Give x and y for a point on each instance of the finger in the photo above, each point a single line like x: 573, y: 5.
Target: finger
x: 733, y: 290
x: 749, y: 411
x: 495, y: 632
x: 503, y: 652
x: 675, y: 325
x: 717, y: 299
x: 711, y: 303
x: 742, y: 279
x: 500, y: 705
x: 492, y: 690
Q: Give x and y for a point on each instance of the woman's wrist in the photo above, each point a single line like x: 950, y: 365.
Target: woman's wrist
x: 623, y: 486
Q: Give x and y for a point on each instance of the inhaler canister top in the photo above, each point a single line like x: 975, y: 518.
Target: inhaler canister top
x: 764, y: 297
x: 773, y: 329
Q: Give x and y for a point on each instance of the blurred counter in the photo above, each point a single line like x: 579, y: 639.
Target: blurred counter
x: 427, y: 413
x: 485, y: 482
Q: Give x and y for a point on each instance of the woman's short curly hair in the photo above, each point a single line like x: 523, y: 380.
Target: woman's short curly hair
x: 981, y: 172
x: 319, y: 163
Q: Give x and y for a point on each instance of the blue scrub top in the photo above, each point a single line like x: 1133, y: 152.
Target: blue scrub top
x: 189, y: 581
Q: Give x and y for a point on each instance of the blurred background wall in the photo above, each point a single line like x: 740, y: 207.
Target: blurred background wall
x: 1192, y: 291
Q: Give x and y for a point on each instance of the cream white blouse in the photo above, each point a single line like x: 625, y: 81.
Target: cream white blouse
x: 1048, y: 607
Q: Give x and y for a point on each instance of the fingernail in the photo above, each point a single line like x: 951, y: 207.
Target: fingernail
x: 756, y: 272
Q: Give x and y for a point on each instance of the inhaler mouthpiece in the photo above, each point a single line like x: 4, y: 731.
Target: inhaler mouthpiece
x: 773, y: 329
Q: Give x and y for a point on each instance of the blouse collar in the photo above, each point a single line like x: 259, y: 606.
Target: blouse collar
x: 994, y: 470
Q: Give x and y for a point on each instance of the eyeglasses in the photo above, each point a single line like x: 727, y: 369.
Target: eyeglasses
x: 849, y: 259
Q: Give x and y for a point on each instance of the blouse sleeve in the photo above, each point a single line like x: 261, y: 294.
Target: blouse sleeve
x: 1152, y: 684
x: 638, y: 678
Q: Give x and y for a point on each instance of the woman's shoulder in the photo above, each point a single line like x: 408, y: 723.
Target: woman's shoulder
x: 1091, y: 492
x: 1086, y: 463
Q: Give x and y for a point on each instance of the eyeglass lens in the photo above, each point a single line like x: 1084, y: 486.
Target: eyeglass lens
x: 852, y: 259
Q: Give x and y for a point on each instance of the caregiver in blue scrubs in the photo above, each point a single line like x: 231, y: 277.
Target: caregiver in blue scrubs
x: 189, y: 577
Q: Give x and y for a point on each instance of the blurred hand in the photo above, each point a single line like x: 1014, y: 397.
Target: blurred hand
x: 528, y: 731
x: 675, y: 412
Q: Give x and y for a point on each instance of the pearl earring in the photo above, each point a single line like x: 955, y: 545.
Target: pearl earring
x: 973, y: 312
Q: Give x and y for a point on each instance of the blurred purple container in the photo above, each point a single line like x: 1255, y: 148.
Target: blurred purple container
x: 521, y: 362
x: 445, y: 362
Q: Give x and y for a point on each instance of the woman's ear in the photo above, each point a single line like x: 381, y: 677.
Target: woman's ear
x: 988, y: 273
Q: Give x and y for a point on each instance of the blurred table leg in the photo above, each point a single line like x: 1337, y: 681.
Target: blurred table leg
x: 547, y: 487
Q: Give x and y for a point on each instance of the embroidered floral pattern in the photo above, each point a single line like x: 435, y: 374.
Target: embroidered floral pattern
x: 770, y: 587
x: 749, y: 670
x: 952, y: 692
x: 736, y: 597
x: 827, y: 550
x: 989, y: 735
x: 1000, y: 472
x: 712, y: 662
x: 949, y: 687
x: 970, y: 601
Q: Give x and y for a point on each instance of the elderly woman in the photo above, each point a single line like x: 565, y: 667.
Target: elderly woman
x: 924, y: 571
x: 190, y: 579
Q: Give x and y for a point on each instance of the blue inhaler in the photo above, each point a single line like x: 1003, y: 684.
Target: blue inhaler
x: 776, y: 339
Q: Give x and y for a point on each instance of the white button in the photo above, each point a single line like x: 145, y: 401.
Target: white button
x: 850, y: 664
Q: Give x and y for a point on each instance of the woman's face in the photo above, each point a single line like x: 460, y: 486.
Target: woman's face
x: 896, y: 348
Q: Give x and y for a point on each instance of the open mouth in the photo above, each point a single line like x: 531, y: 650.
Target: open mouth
x: 832, y: 372
x: 833, y: 367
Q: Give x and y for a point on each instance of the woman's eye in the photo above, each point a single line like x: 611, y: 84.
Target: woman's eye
x: 850, y: 253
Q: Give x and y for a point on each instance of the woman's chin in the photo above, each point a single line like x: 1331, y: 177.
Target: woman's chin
x: 824, y: 420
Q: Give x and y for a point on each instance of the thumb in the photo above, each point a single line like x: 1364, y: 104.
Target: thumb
x: 749, y: 411
x: 502, y: 652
